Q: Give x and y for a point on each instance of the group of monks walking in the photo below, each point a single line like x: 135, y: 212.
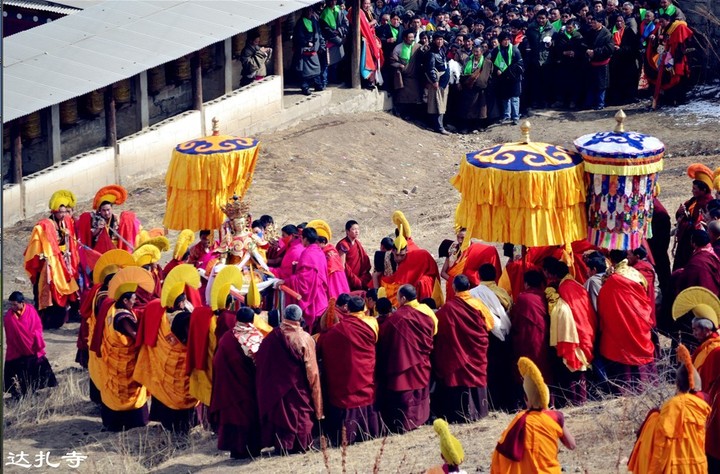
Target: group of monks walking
x: 357, y: 347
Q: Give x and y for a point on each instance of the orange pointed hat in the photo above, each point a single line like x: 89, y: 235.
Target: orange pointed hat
x: 114, y: 194
x: 700, y: 172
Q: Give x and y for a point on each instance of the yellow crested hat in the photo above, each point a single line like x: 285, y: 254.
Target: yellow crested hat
x: 182, y: 243
x: 114, y: 194
x: 110, y: 262
x: 322, y: 228
x: 684, y: 357
x: 146, y: 255
x: 161, y: 243
x: 716, y: 179
x: 128, y: 280
x: 60, y: 198
x: 450, y: 448
x: 225, y: 279
x: 175, y: 281
x: 401, y: 223
x: 382, y: 293
x: 700, y: 172
x: 537, y: 393
x: 703, y: 303
x: 400, y: 242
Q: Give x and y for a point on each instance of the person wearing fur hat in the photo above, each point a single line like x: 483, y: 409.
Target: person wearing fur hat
x: 689, y: 214
x: 705, y: 309
x: 451, y: 450
x: 672, y: 439
x: 51, y: 261
x: 530, y: 442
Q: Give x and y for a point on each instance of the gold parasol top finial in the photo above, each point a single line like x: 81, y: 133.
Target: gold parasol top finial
x: 215, y: 128
x: 525, y: 129
x: 620, y: 118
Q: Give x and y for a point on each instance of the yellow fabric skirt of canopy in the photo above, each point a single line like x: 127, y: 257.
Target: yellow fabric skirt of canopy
x: 202, y: 175
x: 529, y: 194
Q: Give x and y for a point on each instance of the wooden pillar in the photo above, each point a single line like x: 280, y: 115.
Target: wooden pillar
x: 111, y: 129
x: 278, y: 53
x: 228, y: 66
x: 143, y: 101
x: 355, y: 57
x: 16, y: 138
x: 55, y: 147
x: 198, y: 88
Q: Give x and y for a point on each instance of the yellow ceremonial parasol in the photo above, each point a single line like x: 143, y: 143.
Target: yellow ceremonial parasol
x: 203, y: 175
x: 528, y: 193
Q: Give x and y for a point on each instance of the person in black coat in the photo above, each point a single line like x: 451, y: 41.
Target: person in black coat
x: 567, y: 56
x: 509, y: 68
x: 624, y: 65
x: 600, y: 48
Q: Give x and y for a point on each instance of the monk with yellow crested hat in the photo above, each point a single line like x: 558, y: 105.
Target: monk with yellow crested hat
x: 161, y: 363
x: 124, y: 399
x: 337, y: 280
x: 51, y: 261
x: 672, y: 439
x: 690, y: 214
x: 705, y: 308
x: 451, y: 450
x: 102, y: 230
x: 105, y: 268
x: 407, y: 263
x: 530, y: 442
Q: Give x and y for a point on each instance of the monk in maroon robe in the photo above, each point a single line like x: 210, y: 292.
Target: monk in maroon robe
x: 234, y: 406
x: 406, y: 341
x: 637, y: 260
x: 530, y: 332
x: 357, y: 261
x: 288, y: 385
x: 346, y: 352
x: 460, y: 356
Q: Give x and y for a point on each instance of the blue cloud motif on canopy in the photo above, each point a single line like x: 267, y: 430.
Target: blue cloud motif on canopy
x: 525, y: 157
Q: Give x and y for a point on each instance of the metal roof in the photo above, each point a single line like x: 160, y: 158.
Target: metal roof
x: 115, y: 40
x: 42, y: 6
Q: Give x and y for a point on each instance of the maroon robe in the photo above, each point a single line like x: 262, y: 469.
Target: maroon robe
x: 460, y: 363
x: 284, y: 395
x: 357, y: 264
x: 234, y: 406
x: 225, y: 321
x: 347, y: 354
x: 530, y: 332
x: 702, y: 269
x: 404, y: 347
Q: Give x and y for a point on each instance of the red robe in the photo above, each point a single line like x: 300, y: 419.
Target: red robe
x: 357, y: 264
x: 648, y: 271
x: 530, y: 332
x: 234, y: 405
x: 577, y: 297
x: 624, y: 314
x: 469, y: 263
x: 702, y: 269
x: 347, y: 351
x: 461, y: 345
x: 284, y: 397
x: 418, y: 269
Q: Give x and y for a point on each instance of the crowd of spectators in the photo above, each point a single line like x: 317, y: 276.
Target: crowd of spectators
x: 468, y: 64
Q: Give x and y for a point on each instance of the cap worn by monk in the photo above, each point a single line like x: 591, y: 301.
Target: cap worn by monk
x: 537, y: 393
x: 160, y: 242
x: 182, y: 243
x: 322, y: 228
x: 127, y: 280
x: 716, y: 179
x: 700, y: 172
x: 694, y: 383
x: 61, y: 198
x: 225, y: 279
x: 146, y: 255
x: 450, y: 448
x: 114, y: 194
x: 703, y: 303
x: 111, y: 262
x: 175, y: 282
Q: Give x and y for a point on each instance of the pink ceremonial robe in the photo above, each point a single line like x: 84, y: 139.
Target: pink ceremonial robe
x: 310, y: 281
x: 337, y: 279
x: 292, y: 254
x: 23, y: 335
